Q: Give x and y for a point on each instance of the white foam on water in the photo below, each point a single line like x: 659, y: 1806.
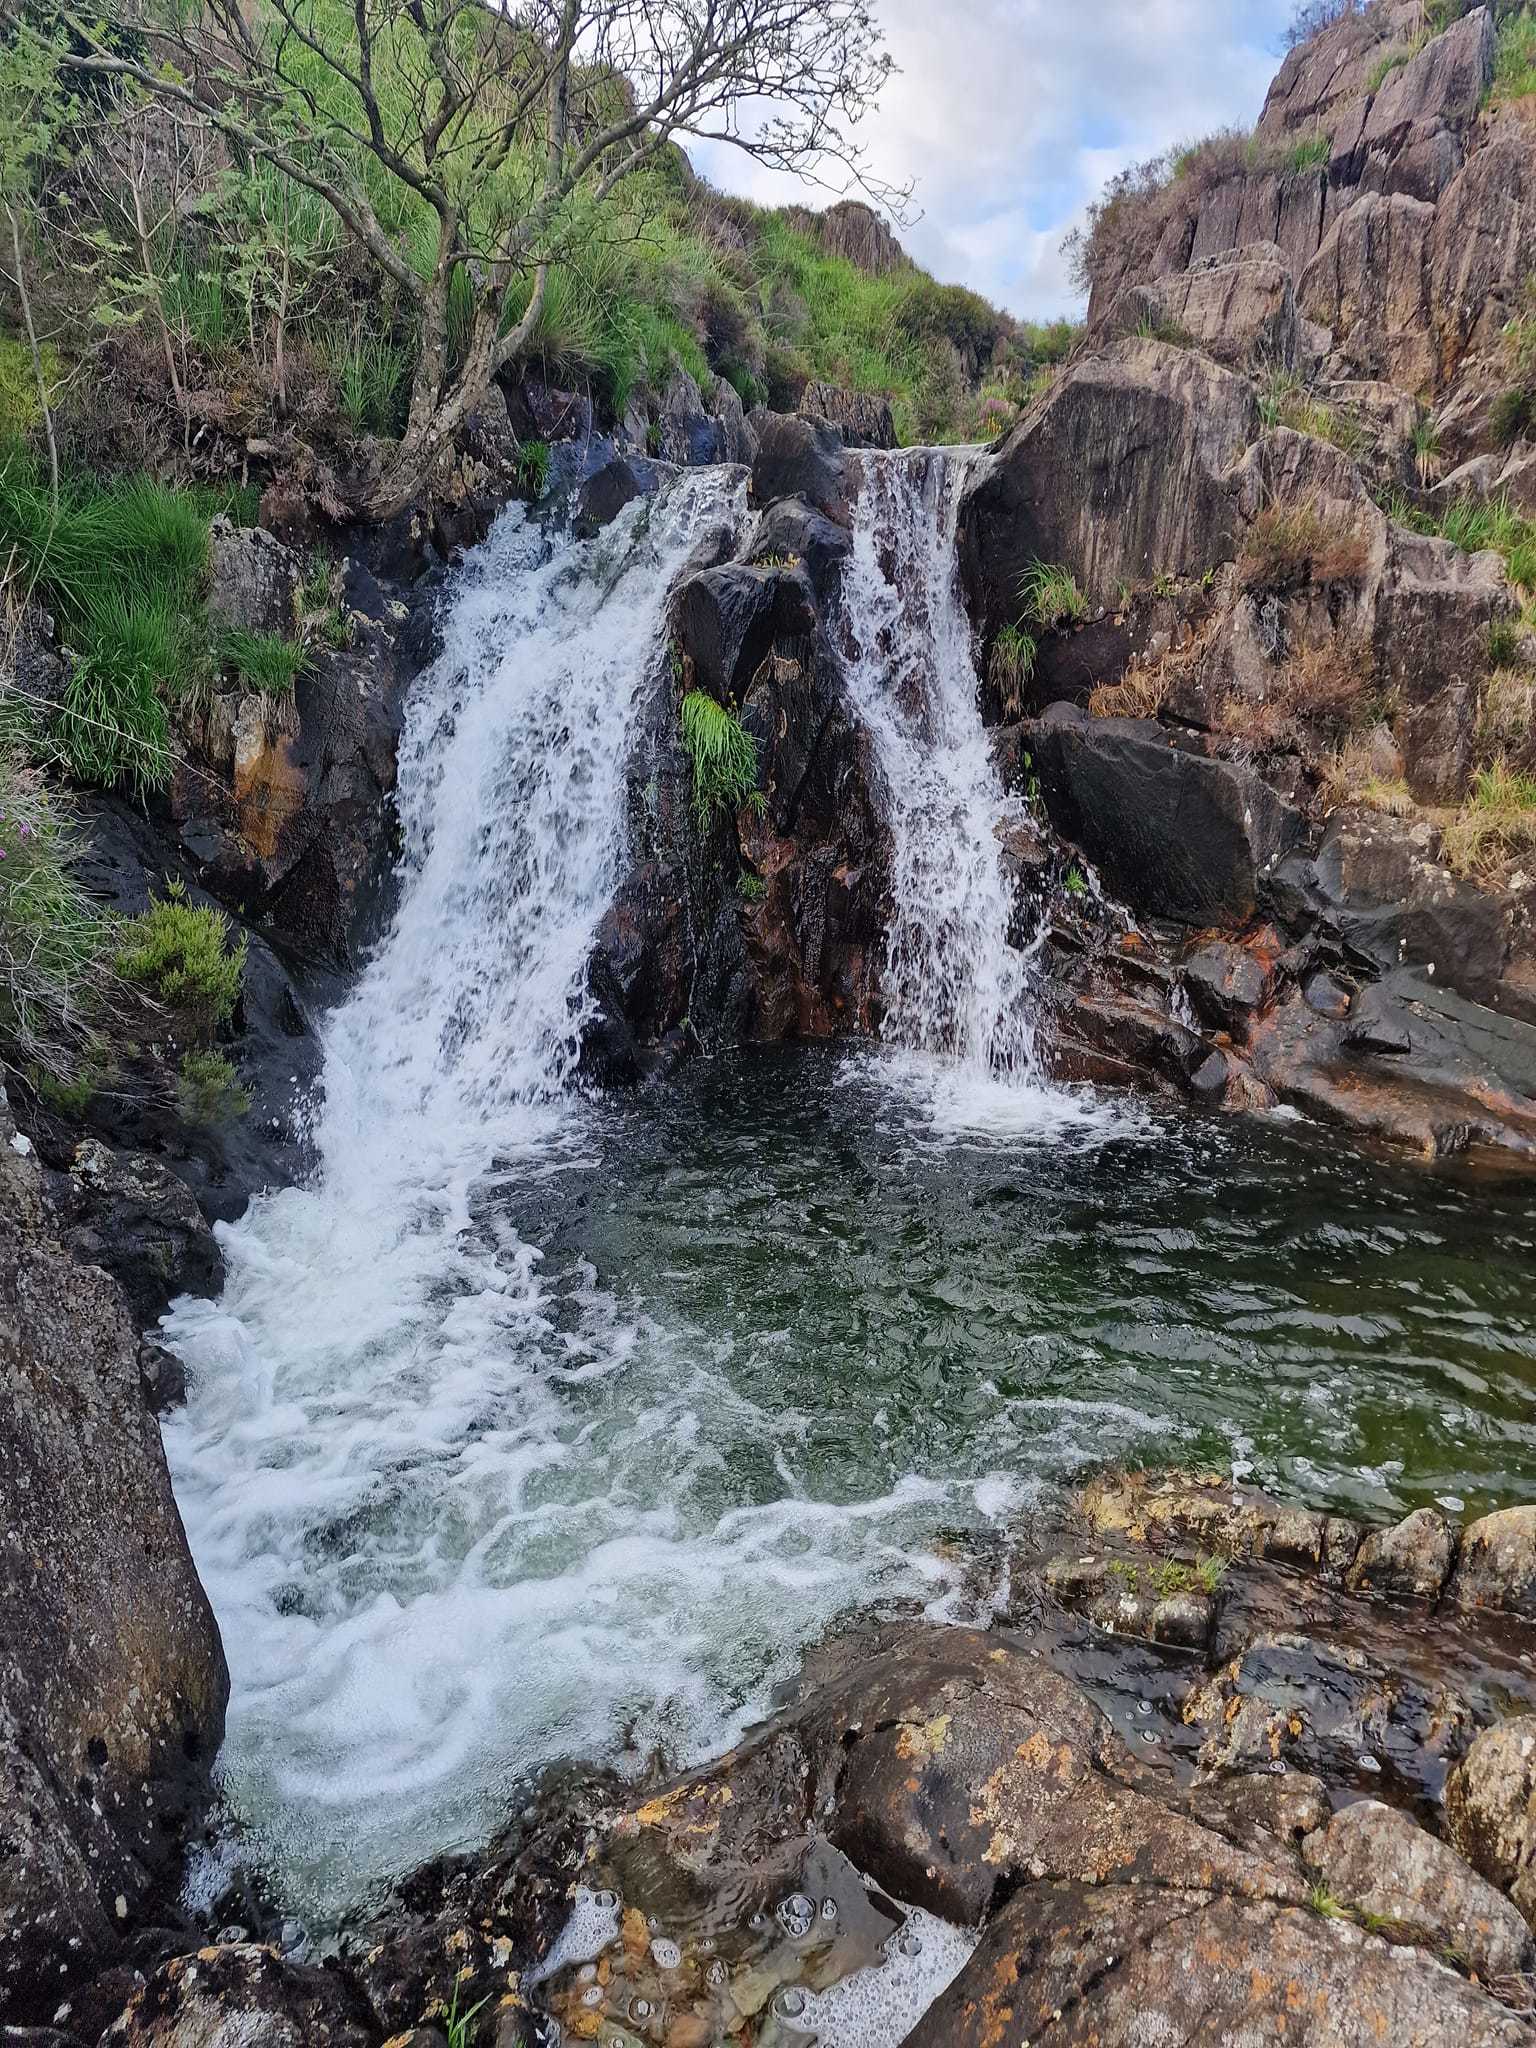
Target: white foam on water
x: 879, y: 2006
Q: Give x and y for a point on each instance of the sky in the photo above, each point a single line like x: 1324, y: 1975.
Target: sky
x: 1011, y: 115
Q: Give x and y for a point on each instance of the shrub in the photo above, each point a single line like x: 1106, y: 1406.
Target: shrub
x: 1351, y: 776
x: 1312, y: 699
x: 55, y: 981
x: 208, y: 1090
x: 1503, y: 643
x: 1512, y: 415
x: 1284, y: 401
x: 263, y: 661
x: 1051, y: 598
x: 1293, y: 540
x: 184, y: 958
x: 723, y: 755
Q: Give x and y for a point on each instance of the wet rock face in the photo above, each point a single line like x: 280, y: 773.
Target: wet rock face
x: 800, y: 457
x: 132, y: 1217
x: 112, y: 1679
x: 1175, y: 834
x: 236, y: 1996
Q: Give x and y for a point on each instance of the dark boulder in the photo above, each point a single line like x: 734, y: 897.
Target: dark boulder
x: 253, y: 579
x: 601, y: 498
x: 792, y: 531
x: 112, y: 1679
x: 1174, y: 834
x: 1228, y: 985
x: 132, y: 1217
x: 862, y: 417
x: 800, y: 457
x: 728, y: 620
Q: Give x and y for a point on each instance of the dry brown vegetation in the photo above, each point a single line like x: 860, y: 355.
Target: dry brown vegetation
x: 1316, y: 699
x: 1139, y: 694
x: 1300, y: 539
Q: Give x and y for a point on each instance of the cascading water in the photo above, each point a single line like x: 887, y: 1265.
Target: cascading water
x: 960, y: 995
x: 459, y: 1515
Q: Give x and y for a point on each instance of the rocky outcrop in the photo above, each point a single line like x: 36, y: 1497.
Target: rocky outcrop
x: 134, y: 1219
x: 112, y: 1680
x: 1491, y: 1809
x: 1121, y: 474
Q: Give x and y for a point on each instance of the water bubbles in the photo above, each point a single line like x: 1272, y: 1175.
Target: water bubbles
x: 640, y: 2008
x: 797, y: 1915
x: 604, y: 1901
x: 1143, y: 1706
x: 909, y: 1942
x: 790, y: 2003
x: 715, y: 1975
x: 665, y: 1954
x: 593, y: 1997
x: 829, y: 1909
x: 1149, y: 1735
x: 587, y: 1974
x: 1368, y: 1763
x: 1278, y: 1768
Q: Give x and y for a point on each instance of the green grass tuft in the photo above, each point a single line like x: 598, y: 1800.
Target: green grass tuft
x: 1051, y: 598
x: 55, y: 976
x: 262, y: 661
x: 723, y: 755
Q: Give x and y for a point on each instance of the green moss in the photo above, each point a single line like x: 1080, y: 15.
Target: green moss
x: 185, y: 959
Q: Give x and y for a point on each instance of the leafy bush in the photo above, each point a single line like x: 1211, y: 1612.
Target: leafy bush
x: 55, y: 981
x: 208, y: 1090
x: 263, y: 661
x: 184, y: 958
x: 723, y: 755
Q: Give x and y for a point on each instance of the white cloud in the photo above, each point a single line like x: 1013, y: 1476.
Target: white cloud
x: 1010, y: 115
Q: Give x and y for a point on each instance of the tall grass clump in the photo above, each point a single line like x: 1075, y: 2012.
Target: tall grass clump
x: 723, y: 756
x: 262, y: 661
x: 122, y: 564
x: 1497, y: 823
x: 1514, y: 62
x: 55, y: 976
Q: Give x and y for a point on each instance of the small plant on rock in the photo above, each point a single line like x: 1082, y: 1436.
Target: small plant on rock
x: 1497, y: 823
x: 208, y: 1091
x: 1012, y: 661
x: 1322, y: 1902
x: 751, y: 888
x: 723, y: 755
x: 1512, y: 416
x: 262, y: 661
x: 533, y: 469
x: 1425, y: 438
x: 1051, y: 598
x: 184, y: 958
x: 1295, y: 539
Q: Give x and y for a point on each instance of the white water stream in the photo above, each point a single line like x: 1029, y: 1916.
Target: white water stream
x: 460, y: 1513
x: 959, y: 996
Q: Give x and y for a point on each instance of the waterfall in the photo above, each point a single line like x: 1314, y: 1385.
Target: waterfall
x: 960, y: 997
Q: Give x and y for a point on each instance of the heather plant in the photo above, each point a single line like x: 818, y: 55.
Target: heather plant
x: 184, y: 958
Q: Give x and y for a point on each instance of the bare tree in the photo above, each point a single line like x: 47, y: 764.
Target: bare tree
x: 504, y: 130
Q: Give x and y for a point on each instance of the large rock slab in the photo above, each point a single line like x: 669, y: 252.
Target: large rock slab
x: 1239, y: 305
x: 1174, y: 834
x: 1490, y: 1808
x: 1368, y: 284
x: 1497, y: 1564
x: 112, y: 1679
x: 1120, y: 475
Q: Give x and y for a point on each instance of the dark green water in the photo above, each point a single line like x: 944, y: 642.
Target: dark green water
x: 1255, y: 1296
